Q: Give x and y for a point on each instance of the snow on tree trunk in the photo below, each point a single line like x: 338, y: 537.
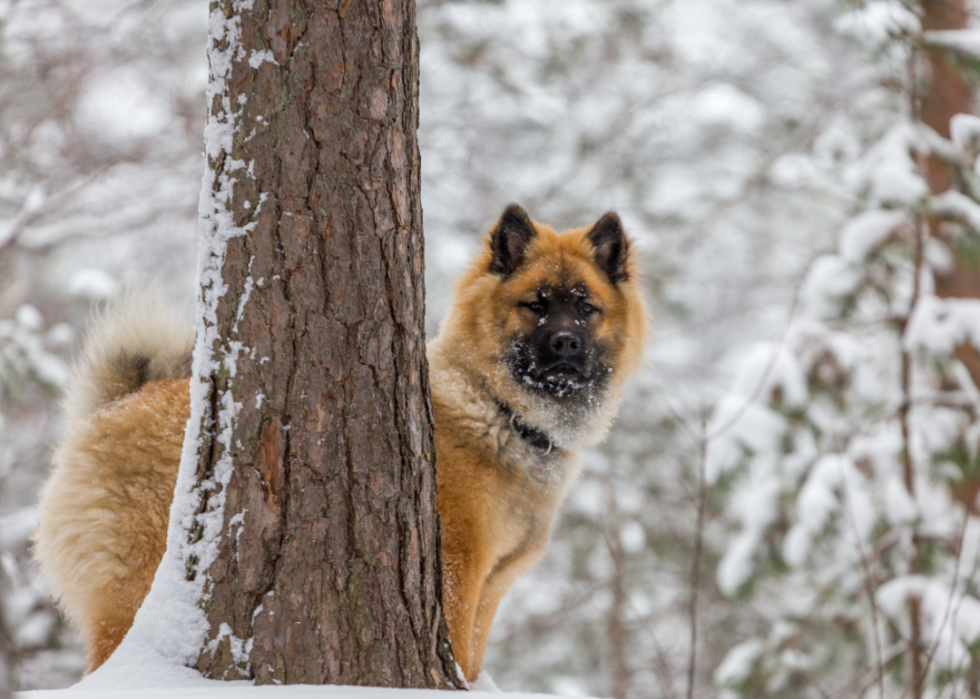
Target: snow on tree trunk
x: 316, y: 537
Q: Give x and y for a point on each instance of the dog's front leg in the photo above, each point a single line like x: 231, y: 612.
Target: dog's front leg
x: 466, y: 563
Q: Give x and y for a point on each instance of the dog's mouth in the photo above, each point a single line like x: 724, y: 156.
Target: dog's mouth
x: 560, y: 379
x: 557, y: 377
x: 568, y: 371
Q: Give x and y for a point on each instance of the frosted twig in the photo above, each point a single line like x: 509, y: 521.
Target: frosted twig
x: 763, y: 380
x: 951, y: 611
x: 869, y: 584
x: 915, y: 660
x: 614, y: 552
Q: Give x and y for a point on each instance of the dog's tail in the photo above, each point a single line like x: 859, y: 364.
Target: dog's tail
x: 138, y: 338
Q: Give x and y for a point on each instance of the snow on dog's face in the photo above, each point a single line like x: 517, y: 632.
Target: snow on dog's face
x: 559, y: 316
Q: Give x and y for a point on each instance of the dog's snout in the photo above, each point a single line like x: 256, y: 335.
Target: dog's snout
x: 566, y: 344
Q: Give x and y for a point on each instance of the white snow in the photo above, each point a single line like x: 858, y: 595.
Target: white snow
x: 939, y: 325
x: 828, y: 282
x: 964, y: 131
x: 951, y: 619
x: 29, y: 317
x: 754, y: 505
x: 22, y: 345
x: 878, y: 21
x: 92, y: 283
x: 483, y: 683
x: 121, y: 106
x: 723, y: 103
x: 866, y: 231
x: 33, y: 203
x: 953, y: 204
x: 738, y: 425
x: 16, y: 528
x: 900, y: 507
x: 213, y: 689
x: 890, y: 169
x: 257, y: 58
x: 767, y: 368
x: 738, y: 662
x: 834, y: 485
x: 632, y: 537
x: 964, y: 41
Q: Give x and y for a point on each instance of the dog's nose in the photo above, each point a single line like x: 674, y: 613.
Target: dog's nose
x: 565, y: 344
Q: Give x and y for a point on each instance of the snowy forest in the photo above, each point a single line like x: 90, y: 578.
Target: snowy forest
x: 787, y: 504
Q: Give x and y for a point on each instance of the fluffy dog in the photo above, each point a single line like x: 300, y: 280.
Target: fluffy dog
x: 528, y: 367
x: 103, y: 514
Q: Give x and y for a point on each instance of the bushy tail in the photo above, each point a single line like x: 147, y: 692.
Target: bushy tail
x: 138, y: 338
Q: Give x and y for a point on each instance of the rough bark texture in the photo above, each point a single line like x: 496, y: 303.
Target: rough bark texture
x: 329, y: 570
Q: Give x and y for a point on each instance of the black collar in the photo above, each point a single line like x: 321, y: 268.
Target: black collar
x: 536, y: 438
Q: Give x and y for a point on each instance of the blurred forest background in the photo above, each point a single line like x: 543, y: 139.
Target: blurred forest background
x: 786, y: 506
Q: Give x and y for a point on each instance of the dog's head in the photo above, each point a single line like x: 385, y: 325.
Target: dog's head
x: 558, y: 316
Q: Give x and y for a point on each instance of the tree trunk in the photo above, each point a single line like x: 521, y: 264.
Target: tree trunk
x: 6, y: 645
x: 328, y: 568
x: 946, y: 94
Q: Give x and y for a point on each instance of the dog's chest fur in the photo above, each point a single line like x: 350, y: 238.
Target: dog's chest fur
x: 490, y: 429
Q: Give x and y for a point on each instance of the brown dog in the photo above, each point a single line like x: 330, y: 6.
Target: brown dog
x: 529, y: 366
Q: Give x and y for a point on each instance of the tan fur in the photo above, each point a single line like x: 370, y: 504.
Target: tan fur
x: 103, y: 514
x: 497, y: 496
x: 135, y: 340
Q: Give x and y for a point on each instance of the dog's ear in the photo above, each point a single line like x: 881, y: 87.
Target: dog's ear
x: 509, y: 240
x: 610, y: 247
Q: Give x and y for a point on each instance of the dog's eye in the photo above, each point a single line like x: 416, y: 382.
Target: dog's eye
x: 536, y: 307
x: 587, y: 308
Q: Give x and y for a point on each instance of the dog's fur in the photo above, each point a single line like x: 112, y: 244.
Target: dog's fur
x: 104, y: 511
x: 529, y: 366
x: 498, y: 491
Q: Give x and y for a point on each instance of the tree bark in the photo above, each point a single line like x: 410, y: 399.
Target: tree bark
x: 329, y: 566
x: 946, y: 94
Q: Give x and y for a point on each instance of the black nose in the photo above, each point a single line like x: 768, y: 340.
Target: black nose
x: 565, y: 344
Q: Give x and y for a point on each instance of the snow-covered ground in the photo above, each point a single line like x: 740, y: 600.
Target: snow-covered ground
x: 242, y: 690
x: 190, y: 686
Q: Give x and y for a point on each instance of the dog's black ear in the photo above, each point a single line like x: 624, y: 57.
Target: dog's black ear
x: 509, y: 240
x: 611, y: 247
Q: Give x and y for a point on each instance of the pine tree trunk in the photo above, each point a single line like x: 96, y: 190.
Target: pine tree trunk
x: 329, y: 566
x: 947, y: 93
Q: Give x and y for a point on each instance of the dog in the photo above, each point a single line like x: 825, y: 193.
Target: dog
x: 529, y: 366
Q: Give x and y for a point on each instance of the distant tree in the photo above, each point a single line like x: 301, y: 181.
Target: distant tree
x: 853, y: 444
x: 316, y: 448
x: 6, y: 645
